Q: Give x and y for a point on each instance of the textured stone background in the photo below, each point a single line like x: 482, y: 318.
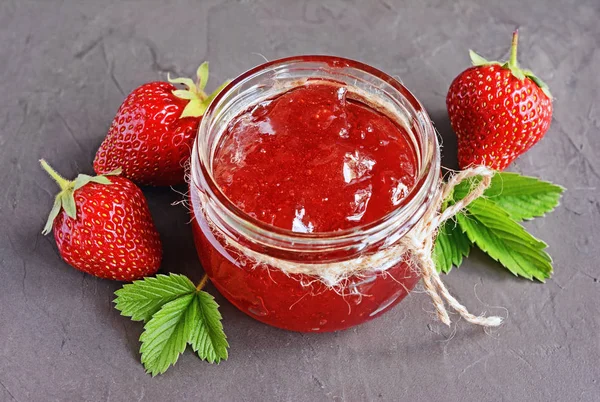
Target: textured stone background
x: 66, y: 67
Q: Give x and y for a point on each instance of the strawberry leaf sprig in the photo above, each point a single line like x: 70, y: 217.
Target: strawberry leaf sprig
x: 176, y: 313
x: 492, y: 224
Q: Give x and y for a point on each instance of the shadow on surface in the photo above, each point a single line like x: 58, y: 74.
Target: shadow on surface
x: 172, y: 221
x: 446, y: 136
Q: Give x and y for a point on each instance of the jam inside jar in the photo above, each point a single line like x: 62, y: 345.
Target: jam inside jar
x: 311, y: 160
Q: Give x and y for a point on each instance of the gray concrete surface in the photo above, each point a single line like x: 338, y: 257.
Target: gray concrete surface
x: 66, y: 66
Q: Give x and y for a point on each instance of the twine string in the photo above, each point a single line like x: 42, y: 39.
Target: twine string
x: 423, y: 248
x: 416, y: 245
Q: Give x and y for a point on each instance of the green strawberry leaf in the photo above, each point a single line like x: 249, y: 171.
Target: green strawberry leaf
x: 53, y: 214
x: 188, y: 82
x: 198, y: 100
x: 202, y: 76
x: 516, y: 71
x: 207, y: 337
x: 176, y: 313
x: 165, y: 335
x: 477, y: 60
x: 214, y: 94
x: 83, y: 179
x: 184, y: 94
x: 68, y: 203
x: 451, y: 245
x: 538, y: 81
x: 522, y: 197
x: 141, y: 299
x: 494, y: 232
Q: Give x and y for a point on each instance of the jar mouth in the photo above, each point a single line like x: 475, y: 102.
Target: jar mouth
x: 406, y: 214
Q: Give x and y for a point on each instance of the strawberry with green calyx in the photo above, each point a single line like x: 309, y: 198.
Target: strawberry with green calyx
x: 151, y: 136
x: 498, y: 111
x: 102, y: 226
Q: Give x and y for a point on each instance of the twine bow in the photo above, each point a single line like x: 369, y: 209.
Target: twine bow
x: 423, y: 237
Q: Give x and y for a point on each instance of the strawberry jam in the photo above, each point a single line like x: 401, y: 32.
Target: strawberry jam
x: 314, y: 160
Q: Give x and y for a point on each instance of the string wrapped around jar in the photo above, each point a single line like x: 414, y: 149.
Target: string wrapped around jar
x: 417, y: 243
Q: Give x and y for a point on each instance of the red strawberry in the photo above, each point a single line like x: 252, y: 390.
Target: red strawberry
x: 151, y: 136
x: 103, y: 226
x: 498, y: 111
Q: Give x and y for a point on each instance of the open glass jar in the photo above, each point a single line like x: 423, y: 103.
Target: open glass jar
x: 235, y: 248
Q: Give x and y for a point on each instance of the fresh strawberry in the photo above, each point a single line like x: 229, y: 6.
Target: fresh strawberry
x: 151, y: 136
x: 103, y: 226
x: 498, y: 111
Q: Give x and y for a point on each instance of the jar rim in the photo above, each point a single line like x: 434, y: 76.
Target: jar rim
x: 421, y: 192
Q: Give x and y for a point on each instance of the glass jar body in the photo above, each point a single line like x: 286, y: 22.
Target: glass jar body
x: 296, y: 301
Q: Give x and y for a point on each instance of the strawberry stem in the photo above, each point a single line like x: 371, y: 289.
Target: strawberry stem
x: 512, y: 61
x: 202, y: 283
x: 61, y: 181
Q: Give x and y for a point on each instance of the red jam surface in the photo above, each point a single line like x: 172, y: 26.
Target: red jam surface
x: 313, y: 160
x: 310, y: 160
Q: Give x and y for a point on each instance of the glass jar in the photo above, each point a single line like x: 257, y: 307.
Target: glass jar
x: 299, y: 302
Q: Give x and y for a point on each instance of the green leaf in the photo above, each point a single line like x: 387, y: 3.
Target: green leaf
x: 176, y: 313
x: 477, y: 60
x: 522, y: 197
x: 141, y: 299
x: 202, y: 76
x: 207, y: 337
x: 216, y: 92
x: 53, y: 214
x: 188, y: 82
x: 516, y: 71
x: 184, y: 94
x: 538, y: 81
x: 194, y: 108
x: 83, y: 179
x: 451, y: 245
x: 494, y: 232
x: 68, y: 203
x: 165, y: 335
x: 115, y: 172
